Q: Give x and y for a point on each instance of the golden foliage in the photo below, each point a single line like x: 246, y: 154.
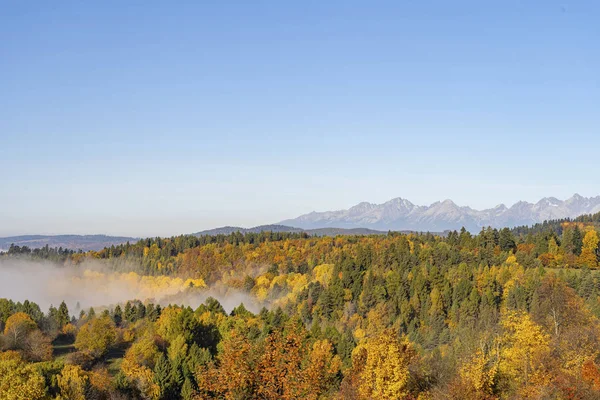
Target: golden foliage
x: 323, y: 273
x: 322, y: 369
x: 96, y: 336
x: 385, y: 373
x: 142, y: 377
x: 18, y: 380
x: 19, y: 320
x: 18, y: 326
x: 73, y: 382
x: 69, y: 330
x: 142, y: 286
x: 143, y: 352
x: 589, y: 250
x: 523, y: 346
x: 166, y: 325
x: 235, y: 374
x: 478, y: 374
x: 100, y: 380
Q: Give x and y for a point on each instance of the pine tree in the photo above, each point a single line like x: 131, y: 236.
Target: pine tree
x: 140, y: 311
x: 117, y: 315
x: 129, y: 313
x: 151, y: 313
x: 506, y: 240
x: 577, y: 240
x: 187, y: 390
x: 196, y: 357
x: 162, y: 376
x: 62, y: 316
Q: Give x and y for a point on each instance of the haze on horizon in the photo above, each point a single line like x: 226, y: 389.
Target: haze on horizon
x: 160, y: 120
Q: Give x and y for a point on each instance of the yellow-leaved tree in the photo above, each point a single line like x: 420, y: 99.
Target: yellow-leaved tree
x: 477, y: 376
x: 523, y: 346
x: 138, y: 363
x: 321, y: 370
x: 385, y: 374
x: 167, y: 326
x: 18, y: 380
x: 589, y: 251
x: 143, y: 352
x: 142, y: 377
x: 18, y: 326
x: 73, y: 383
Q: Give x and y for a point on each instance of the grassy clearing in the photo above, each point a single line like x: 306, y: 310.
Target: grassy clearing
x: 62, y: 345
x: 114, y: 357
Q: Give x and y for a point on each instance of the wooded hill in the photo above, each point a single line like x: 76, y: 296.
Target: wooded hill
x: 501, y: 314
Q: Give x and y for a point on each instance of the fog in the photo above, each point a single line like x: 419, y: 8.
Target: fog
x: 92, y: 284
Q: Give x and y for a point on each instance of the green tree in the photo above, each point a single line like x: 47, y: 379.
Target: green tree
x: 62, y: 316
x: 506, y: 240
x: 117, y: 315
x: 169, y: 377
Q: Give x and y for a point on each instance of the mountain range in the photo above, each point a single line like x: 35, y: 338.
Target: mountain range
x: 401, y: 214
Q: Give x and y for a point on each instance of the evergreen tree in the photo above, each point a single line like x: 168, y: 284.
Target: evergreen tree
x: 62, y: 316
x: 152, y: 312
x: 140, y: 311
x: 577, y: 240
x: 117, y: 315
x: 187, y: 390
x: 506, y: 240
x: 129, y: 313
x: 169, y: 377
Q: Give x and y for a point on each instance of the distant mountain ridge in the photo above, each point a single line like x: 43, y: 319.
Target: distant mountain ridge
x: 227, y: 230
x: 73, y: 242
x: 329, y: 231
x: 401, y: 214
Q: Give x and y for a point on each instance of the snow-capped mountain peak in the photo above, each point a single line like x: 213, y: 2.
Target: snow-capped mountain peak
x: 401, y: 214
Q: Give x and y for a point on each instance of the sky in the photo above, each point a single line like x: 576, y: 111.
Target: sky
x: 148, y: 118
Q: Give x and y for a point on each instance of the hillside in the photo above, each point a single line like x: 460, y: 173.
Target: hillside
x: 227, y: 230
x: 72, y: 242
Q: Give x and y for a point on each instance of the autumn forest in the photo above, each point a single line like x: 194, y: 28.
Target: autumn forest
x: 502, y: 314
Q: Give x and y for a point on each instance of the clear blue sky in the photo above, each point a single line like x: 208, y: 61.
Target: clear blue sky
x: 158, y: 118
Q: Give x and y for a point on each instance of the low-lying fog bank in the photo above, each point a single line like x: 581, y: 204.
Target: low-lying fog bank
x: 92, y: 284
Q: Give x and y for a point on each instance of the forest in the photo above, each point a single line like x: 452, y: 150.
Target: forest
x: 502, y: 314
